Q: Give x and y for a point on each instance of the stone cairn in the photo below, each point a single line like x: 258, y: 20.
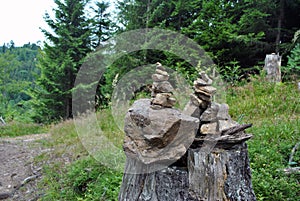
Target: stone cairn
x: 215, y: 122
x: 161, y: 89
x: 201, y: 151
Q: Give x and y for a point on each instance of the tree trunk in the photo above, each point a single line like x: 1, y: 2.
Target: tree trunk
x: 223, y: 174
x: 279, y: 24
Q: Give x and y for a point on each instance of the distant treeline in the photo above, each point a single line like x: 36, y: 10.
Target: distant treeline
x: 18, y: 72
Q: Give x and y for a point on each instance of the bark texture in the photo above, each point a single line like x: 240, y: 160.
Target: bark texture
x: 222, y: 174
x: 272, y: 67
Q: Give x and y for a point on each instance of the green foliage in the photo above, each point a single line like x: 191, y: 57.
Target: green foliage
x: 84, y: 180
x: 102, y: 25
x: 274, y: 111
x: 17, y: 73
x: 293, y: 66
x: 242, y: 31
x: 73, y: 35
x: 269, y: 154
x: 261, y: 100
x: 231, y: 73
x: 272, y: 108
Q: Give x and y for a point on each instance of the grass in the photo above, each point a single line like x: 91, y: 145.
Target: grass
x: 14, y: 129
x: 273, y: 109
x: 84, y: 176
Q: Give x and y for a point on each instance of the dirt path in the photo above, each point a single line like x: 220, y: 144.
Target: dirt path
x: 19, y: 173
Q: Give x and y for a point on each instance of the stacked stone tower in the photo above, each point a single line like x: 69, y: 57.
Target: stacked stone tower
x: 161, y: 89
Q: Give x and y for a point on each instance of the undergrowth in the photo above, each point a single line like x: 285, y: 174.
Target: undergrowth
x: 78, y: 175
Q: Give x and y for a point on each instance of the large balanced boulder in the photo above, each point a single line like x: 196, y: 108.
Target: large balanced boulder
x: 157, y: 135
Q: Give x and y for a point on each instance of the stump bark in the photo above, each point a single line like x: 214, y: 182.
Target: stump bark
x: 223, y: 174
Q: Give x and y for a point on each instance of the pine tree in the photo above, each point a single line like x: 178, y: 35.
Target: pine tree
x: 68, y: 42
x: 102, y: 24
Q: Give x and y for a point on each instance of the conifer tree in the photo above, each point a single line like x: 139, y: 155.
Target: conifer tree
x: 68, y: 42
x: 102, y: 23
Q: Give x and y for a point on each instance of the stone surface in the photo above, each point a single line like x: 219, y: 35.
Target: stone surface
x: 223, y: 112
x: 200, y: 82
x: 164, y: 100
x: 157, y: 135
x: 197, y: 102
x: 226, y: 124
x: 206, y: 98
x: 210, y: 128
x: 210, y: 114
x: 161, y: 72
x: 162, y: 87
x: 159, y: 66
x: 206, y: 78
x: 192, y: 110
x: 206, y: 90
x: 160, y: 78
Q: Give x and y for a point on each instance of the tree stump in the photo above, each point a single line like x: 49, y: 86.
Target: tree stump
x: 272, y: 67
x: 223, y: 174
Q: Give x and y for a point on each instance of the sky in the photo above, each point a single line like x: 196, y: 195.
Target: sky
x: 20, y: 20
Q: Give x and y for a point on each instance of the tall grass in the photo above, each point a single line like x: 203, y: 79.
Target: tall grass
x: 274, y: 110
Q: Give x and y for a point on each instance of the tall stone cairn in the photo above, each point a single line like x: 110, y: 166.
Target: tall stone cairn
x: 207, y: 148
x: 161, y: 89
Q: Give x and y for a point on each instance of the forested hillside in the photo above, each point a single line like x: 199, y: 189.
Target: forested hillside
x: 18, y: 67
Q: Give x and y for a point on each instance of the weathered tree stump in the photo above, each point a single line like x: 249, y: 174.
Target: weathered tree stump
x: 272, y: 67
x: 223, y: 174
x: 168, y: 184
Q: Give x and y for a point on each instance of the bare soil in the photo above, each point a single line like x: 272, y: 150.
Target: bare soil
x: 19, y: 171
